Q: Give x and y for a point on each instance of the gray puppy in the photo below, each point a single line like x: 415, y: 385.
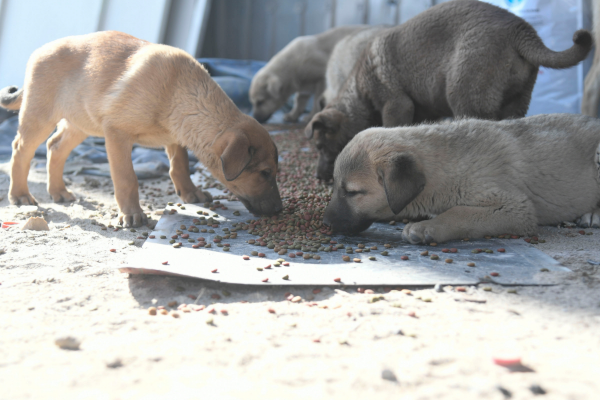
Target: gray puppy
x: 298, y: 68
x: 472, y: 177
x: 343, y: 58
x: 458, y: 59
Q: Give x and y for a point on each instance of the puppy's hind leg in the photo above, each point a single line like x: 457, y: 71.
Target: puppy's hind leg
x: 300, y: 100
x: 472, y: 222
x: 33, y: 130
x: 180, y: 175
x: 60, y: 145
x: 118, y: 150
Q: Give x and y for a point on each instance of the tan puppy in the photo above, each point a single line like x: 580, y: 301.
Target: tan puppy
x: 298, y: 68
x: 461, y: 58
x: 472, y: 177
x: 128, y: 91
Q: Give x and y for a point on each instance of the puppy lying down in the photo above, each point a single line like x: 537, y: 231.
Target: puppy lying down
x: 471, y: 177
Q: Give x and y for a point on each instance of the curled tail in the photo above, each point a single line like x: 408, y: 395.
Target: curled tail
x: 11, y: 98
x: 530, y: 46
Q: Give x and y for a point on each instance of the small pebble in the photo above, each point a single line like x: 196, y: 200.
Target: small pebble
x: 434, y: 257
x: 494, y: 274
x: 356, y: 260
x: 152, y: 310
x: 346, y: 258
x: 214, y: 270
x: 265, y: 280
x: 372, y: 258
x: 404, y: 258
x: 337, y: 279
x: 384, y: 253
x: 67, y: 343
x: 487, y: 289
x: 461, y: 289
x: 501, y: 250
x: 172, y: 303
x: 388, y: 375
x: 425, y: 253
x: 471, y: 264
x: 449, y: 260
x: 113, y: 250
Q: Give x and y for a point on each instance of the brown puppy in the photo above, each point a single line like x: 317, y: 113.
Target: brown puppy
x: 472, y: 177
x: 460, y: 58
x: 128, y: 91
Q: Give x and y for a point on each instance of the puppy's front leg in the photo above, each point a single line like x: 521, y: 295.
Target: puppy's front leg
x: 180, y: 175
x: 319, y: 90
x: 300, y: 100
x: 473, y: 222
x: 118, y: 149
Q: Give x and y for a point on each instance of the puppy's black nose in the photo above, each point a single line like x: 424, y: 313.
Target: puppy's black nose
x: 260, y: 117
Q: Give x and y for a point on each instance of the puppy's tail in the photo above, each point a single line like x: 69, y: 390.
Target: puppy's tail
x: 11, y: 98
x: 530, y: 46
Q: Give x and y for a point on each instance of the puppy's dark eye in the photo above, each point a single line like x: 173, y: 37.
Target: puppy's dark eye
x: 266, y: 173
x: 351, y: 193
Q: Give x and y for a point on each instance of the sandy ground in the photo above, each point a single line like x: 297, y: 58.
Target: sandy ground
x: 335, y: 345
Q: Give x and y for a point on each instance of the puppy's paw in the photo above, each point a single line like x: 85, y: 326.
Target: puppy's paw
x: 133, y: 220
x: 62, y: 196
x: 590, y: 220
x: 197, y: 196
x: 289, y: 117
x: 25, y: 199
x: 419, y: 233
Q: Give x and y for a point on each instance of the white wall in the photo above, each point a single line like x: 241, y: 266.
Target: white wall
x: 25, y: 25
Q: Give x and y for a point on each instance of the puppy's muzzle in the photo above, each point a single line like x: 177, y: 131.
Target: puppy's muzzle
x: 261, y: 117
x: 325, y: 167
x: 344, y: 221
x: 265, y: 205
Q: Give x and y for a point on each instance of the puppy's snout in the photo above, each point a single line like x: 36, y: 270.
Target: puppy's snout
x: 325, y: 168
x: 260, y: 117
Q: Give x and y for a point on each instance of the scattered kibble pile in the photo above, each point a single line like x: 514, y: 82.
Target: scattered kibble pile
x: 298, y: 232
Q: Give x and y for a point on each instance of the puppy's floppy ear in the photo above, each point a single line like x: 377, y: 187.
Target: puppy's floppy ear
x: 402, y: 180
x: 233, y: 147
x: 326, y: 122
x: 274, y: 86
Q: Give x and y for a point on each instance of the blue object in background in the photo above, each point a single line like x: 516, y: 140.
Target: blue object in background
x: 234, y: 77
